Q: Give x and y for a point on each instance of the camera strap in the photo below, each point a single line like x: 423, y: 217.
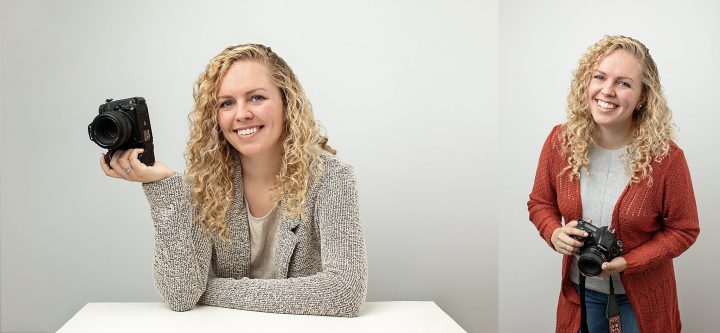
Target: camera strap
x: 612, y: 311
x: 583, y: 310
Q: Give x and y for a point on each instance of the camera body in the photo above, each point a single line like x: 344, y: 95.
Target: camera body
x: 600, y: 246
x: 121, y: 125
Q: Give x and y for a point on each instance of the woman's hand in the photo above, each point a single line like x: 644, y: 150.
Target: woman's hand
x: 563, y: 241
x: 616, y: 265
x: 125, y: 164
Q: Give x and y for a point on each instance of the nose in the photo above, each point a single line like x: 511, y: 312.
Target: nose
x: 608, y: 89
x: 243, y: 112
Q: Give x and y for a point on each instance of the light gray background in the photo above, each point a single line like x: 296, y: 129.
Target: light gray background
x: 407, y: 91
x: 540, y: 44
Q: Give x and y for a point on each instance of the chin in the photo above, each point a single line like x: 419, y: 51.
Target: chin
x: 602, y: 117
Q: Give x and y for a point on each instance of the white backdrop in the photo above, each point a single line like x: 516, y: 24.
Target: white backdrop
x: 540, y: 44
x: 407, y: 91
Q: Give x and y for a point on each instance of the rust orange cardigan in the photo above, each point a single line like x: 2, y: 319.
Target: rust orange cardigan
x: 655, y: 223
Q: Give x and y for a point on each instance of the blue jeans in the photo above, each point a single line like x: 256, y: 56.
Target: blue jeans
x: 595, y: 305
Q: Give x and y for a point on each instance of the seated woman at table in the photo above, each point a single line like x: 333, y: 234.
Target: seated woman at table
x: 265, y: 217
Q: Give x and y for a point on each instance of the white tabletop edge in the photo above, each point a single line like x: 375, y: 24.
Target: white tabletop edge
x: 392, y: 316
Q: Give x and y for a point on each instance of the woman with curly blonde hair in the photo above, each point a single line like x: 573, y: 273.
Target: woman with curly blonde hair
x: 613, y: 163
x: 266, y: 217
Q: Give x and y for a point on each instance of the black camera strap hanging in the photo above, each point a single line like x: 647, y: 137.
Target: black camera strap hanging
x: 583, y: 310
x: 612, y: 311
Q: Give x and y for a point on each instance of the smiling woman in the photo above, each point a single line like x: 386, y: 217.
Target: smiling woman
x: 614, y: 96
x: 613, y: 162
x: 250, y: 110
x: 262, y: 191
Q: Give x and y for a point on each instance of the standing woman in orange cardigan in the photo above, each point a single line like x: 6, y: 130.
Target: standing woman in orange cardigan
x: 613, y: 162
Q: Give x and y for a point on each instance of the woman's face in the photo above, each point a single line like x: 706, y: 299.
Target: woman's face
x: 615, y: 90
x: 250, y: 110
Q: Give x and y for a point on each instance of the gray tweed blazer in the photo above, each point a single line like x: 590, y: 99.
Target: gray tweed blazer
x: 321, y: 263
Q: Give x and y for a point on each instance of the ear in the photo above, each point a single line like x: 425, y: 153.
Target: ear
x: 642, y: 102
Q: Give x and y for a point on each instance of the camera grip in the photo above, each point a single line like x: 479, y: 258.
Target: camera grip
x: 147, y: 157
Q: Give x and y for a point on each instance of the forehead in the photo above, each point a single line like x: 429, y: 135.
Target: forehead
x: 620, y: 63
x: 243, y: 76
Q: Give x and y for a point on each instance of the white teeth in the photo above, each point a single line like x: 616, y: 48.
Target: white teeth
x: 247, y: 131
x: 606, y: 105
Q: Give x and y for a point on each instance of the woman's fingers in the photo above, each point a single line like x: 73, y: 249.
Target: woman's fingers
x: 573, y: 235
x: 114, y: 161
x: 135, y: 161
x: 120, y: 166
x: 569, y: 239
x: 106, y: 168
x: 561, y: 242
x: 125, y: 164
x: 565, y: 248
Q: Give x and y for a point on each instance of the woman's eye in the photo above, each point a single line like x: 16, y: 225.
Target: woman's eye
x: 226, y: 104
x: 257, y: 98
x: 623, y: 84
x: 598, y: 77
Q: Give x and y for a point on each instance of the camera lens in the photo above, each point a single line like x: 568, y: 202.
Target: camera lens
x: 111, y: 130
x: 590, y: 262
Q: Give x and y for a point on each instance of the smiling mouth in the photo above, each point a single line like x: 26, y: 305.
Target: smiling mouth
x: 606, y: 105
x: 247, y: 131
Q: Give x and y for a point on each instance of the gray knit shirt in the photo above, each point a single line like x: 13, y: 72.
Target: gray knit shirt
x: 599, y: 192
x: 321, y: 263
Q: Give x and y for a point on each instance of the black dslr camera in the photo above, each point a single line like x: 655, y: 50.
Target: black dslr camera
x: 122, y: 125
x: 600, y: 246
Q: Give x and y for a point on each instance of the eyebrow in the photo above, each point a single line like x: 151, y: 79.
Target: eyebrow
x: 249, y: 92
x: 619, y: 77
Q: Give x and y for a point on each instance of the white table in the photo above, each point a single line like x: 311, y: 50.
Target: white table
x: 156, y: 317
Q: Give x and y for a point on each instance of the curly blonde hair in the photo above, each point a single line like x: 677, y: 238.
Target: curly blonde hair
x: 210, y: 157
x: 652, y: 122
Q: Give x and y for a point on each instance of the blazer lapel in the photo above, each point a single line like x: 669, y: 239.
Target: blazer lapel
x: 287, y: 240
x: 239, y: 229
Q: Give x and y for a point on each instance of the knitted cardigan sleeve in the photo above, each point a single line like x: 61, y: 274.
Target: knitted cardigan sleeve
x: 543, y: 205
x: 182, y: 250
x: 338, y: 290
x: 679, y: 212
